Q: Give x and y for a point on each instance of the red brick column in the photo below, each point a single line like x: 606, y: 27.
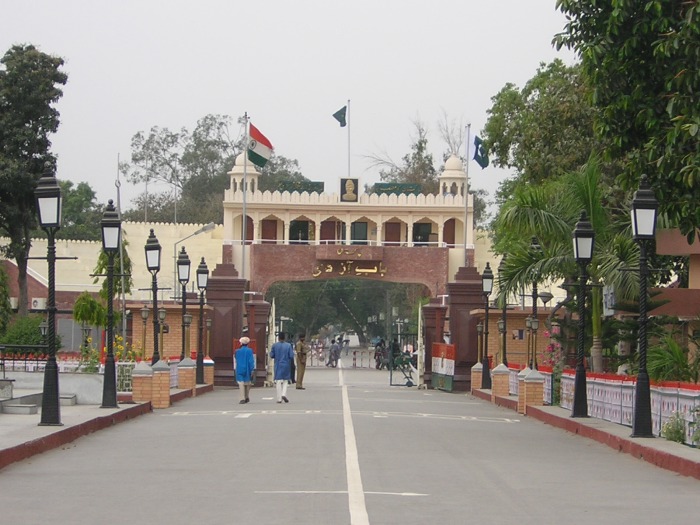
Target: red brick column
x: 161, y: 385
x: 187, y: 375
x: 534, y: 389
x: 208, y: 371
x: 500, y: 379
x: 477, y: 370
x: 141, y: 383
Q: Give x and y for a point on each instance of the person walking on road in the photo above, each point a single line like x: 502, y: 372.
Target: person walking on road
x: 283, y: 355
x: 333, y: 353
x: 302, y: 350
x: 245, y: 369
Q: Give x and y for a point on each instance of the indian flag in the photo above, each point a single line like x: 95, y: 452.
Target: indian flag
x: 259, y: 148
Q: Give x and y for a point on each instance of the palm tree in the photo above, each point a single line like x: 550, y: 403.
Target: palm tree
x: 549, y: 211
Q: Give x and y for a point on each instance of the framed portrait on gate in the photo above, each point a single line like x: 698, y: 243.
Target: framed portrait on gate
x: 348, y: 190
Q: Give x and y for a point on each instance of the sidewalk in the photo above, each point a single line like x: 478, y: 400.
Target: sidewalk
x: 21, y: 436
x: 668, y: 455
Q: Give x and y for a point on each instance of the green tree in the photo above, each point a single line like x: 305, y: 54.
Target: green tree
x: 81, y: 213
x: 29, y: 90
x: 641, y: 61
x: 550, y: 211
x: 416, y: 167
x: 545, y: 129
x: 5, y: 311
x: 196, y: 166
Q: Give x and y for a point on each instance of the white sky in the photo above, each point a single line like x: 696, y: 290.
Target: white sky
x: 290, y: 64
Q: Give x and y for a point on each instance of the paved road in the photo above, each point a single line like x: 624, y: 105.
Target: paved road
x: 347, y: 450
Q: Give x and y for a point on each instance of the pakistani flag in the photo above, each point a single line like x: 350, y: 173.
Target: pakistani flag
x: 481, y: 154
x: 259, y: 148
x: 340, y: 116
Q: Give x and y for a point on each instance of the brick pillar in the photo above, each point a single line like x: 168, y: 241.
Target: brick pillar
x: 465, y: 295
x: 521, y: 389
x: 187, y: 374
x: 500, y: 379
x: 208, y: 371
x: 161, y: 385
x: 433, y: 322
x: 534, y: 389
x: 477, y: 370
x: 225, y: 296
x: 141, y: 383
x: 258, y: 312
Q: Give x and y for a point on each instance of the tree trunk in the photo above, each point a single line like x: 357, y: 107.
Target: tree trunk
x: 23, y: 299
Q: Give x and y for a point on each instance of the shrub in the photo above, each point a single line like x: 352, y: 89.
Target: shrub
x: 25, y: 331
x: 674, y: 428
x: 669, y: 361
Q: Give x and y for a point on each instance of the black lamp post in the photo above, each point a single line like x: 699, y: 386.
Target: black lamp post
x: 111, y: 240
x: 584, y: 239
x: 528, y: 328
x: 208, y: 334
x: 144, y: 317
x: 187, y: 322
x: 153, y: 264
x: 537, y: 250
x: 49, y: 203
x: 183, y: 276
x: 202, y: 280
x: 502, y: 323
x: 644, y: 208
x: 479, y: 342
x: 486, y: 288
x: 162, y: 312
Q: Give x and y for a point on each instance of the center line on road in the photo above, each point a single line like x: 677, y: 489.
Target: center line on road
x: 356, y: 494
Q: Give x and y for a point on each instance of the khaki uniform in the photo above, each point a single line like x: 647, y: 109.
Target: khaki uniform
x: 301, y: 349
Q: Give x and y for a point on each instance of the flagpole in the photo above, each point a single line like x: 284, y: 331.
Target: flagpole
x: 245, y: 191
x: 348, y: 120
x: 466, y: 192
x: 118, y: 184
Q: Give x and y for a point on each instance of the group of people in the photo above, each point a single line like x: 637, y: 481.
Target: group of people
x: 284, y: 355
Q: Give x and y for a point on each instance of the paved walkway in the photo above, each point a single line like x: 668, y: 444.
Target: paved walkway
x: 348, y: 449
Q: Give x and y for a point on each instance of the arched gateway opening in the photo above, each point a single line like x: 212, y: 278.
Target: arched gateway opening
x: 390, y: 235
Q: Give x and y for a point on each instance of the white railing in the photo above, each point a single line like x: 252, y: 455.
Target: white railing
x: 611, y: 398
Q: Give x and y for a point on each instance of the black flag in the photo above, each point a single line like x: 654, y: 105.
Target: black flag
x: 340, y: 116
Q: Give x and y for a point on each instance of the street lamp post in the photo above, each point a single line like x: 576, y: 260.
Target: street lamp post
x: 144, y: 316
x: 528, y: 328
x: 111, y: 240
x: 203, y: 229
x: 187, y: 322
x: 584, y: 239
x: 486, y: 288
x: 502, y: 323
x: 162, y: 312
x: 644, y: 208
x: 208, y: 334
x: 183, y: 276
x: 153, y: 264
x: 49, y: 203
x: 202, y: 280
x: 479, y: 342
x: 537, y: 250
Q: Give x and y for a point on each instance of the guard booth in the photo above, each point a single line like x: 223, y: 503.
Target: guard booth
x: 403, y: 365
x: 443, y: 366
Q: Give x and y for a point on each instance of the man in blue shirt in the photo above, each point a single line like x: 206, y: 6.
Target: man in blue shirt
x: 283, y: 354
x: 245, y: 368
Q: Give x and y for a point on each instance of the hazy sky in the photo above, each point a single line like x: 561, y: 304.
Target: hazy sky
x: 289, y: 64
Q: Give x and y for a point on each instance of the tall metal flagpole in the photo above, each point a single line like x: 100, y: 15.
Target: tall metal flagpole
x: 245, y: 191
x: 347, y: 117
x: 118, y: 184
x: 466, y: 192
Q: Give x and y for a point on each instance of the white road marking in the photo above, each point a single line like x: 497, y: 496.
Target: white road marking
x: 404, y: 494
x: 356, y: 494
x: 243, y: 416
